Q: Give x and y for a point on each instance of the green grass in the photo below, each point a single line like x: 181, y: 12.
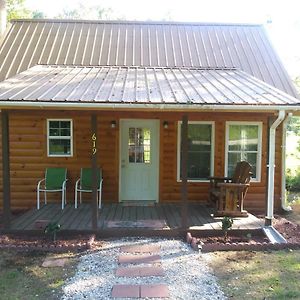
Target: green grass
x: 22, y: 277
x: 256, y: 275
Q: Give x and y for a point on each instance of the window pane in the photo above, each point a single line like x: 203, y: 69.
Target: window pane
x: 65, y: 132
x: 64, y: 124
x: 243, y: 137
x: 199, y: 136
x: 54, y: 124
x: 59, y: 147
x: 199, y: 151
x: 198, y: 168
x: 54, y: 132
x: 139, y: 145
x: 235, y: 157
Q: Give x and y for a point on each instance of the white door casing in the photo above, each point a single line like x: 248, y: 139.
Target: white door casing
x: 139, y: 160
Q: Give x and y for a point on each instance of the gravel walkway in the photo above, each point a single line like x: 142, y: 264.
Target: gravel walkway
x: 186, y: 272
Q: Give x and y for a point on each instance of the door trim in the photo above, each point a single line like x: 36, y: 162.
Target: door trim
x: 121, y: 122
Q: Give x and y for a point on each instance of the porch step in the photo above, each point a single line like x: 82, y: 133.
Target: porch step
x: 138, y: 203
x: 273, y: 235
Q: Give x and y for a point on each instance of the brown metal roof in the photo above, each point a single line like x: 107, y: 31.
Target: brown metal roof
x: 145, y: 44
x: 140, y: 85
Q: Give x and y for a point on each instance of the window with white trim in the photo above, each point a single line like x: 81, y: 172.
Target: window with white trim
x: 200, y: 150
x: 243, y: 143
x: 60, y: 137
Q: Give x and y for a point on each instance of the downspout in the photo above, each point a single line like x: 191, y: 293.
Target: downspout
x: 271, y: 165
x: 283, y: 163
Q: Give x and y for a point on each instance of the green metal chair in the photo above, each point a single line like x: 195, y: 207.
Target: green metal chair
x: 84, y: 185
x: 55, y: 181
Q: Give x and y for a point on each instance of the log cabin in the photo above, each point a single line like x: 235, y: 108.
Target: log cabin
x: 142, y: 89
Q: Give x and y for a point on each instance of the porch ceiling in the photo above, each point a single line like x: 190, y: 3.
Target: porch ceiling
x: 140, y: 85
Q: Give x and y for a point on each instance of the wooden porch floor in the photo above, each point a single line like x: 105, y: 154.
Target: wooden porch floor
x: 119, y: 216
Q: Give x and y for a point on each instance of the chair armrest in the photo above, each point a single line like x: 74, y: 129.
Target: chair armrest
x: 232, y: 185
x: 214, y: 178
x: 64, y: 183
x: 39, y: 183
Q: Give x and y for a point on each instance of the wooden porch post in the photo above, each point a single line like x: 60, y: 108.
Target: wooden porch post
x: 184, y: 160
x: 6, y: 170
x: 94, y: 204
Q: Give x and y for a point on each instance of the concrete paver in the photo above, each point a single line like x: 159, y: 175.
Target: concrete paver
x: 141, y: 249
x: 125, y: 290
x: 139, y: 259
x: 140, y: 271
x: 154, y: 291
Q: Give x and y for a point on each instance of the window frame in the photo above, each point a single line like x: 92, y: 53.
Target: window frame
x: 60, y: 137
x: 212, y: 158
x: 259, y: 147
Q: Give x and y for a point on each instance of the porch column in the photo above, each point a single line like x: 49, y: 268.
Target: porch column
x: 94, y: 204
x: 5, y: 170
x: 271, y: 166
x: 184, y: 160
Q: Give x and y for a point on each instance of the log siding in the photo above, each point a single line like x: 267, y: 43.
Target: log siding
x: 28, y: 154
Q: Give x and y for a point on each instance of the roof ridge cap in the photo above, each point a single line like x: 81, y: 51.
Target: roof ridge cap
x: 137, y: 22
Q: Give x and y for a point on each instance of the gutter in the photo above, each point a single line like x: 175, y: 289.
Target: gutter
x: 271, y: 166
x: 154, y: 106
x: 283, y: 163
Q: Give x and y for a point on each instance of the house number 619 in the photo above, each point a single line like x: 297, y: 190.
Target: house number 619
x: 94, y: 139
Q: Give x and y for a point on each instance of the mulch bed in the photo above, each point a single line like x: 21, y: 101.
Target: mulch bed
x: 62, y: 244
x: 289, y: 230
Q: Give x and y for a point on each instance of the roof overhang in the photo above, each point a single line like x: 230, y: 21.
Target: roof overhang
x: 141, y: 88
x: 148, y: 107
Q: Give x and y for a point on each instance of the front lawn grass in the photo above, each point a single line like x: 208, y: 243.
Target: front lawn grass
x: 258, y: 275
x: 23, y: 277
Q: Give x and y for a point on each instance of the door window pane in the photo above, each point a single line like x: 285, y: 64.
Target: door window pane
x: 139, y: 145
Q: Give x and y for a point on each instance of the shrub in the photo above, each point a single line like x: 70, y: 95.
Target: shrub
x: 292, y: 181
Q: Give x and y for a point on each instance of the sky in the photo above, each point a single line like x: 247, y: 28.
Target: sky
x: 280, y: 17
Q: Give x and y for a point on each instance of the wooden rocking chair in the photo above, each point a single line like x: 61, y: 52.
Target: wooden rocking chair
x: 229, y: 193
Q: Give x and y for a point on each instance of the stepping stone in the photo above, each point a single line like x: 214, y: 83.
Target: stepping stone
x: 140, y: 271
x: 139, y: 259
x: 154, y: 291
x: 125, y: 291
x: 140, y: 248
x: 51, y: 263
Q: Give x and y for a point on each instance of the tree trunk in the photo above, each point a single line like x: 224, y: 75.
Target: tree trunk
x: 2, y: 17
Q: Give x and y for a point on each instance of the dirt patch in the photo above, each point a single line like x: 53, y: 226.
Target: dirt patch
x: 289, y: 230
x: 248, y: 238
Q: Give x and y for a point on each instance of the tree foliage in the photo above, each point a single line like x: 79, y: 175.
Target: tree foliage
x: 294, y: 125
x: 16, y: 9
x: 82, y: 11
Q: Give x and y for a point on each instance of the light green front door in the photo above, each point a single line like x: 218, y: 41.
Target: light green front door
x: 139, y: 160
